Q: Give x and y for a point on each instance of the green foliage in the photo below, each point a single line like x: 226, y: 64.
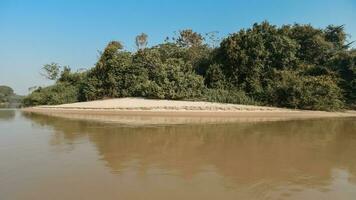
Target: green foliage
x: 227, y: 96
x: 66, y: 90
x: 214, y: 77
x: 74, y: 78
x: 191, y: 47
x: 305, y: 92
x: 188, y: 38
x: 5, y: 91
x: 250, y: 55
x: 114, y: 76
x: 336, y: 35
x: 175, y: 79
x: 345, y: 66
x: 8, y: 98
x: 294, y: 66
x: 59, y: 93
x: 51, y: 71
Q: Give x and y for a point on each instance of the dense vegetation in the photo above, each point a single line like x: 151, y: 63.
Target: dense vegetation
x: 294, y: 66
x: 8, y: 98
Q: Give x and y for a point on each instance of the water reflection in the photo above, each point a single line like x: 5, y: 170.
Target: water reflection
x: 6, y: 115
x: 260, y: 157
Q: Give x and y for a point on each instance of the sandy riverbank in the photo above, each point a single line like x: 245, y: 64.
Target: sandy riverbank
x: 148, y: 111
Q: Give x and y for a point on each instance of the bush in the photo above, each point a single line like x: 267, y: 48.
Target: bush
x: 59, y: 93
x: 321, y: 93
x: 214, y: 77
x: 249, y: 55
x: 227, y: 96
x: 175, y: 79
x: 305, y: 92
x: 345, y: 66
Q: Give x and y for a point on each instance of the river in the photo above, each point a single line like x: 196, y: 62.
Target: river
x: 54, y: 158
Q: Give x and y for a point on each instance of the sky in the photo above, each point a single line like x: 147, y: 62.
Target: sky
x: 71, y: 32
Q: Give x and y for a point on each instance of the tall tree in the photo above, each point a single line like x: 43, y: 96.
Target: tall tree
x: 51, y: 71
x: 141, y: 41
x: 189, y: 38
x: 336, y: 35
x: 6, y: 90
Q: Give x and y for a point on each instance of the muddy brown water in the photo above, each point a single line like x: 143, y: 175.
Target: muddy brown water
x: 44, y: 157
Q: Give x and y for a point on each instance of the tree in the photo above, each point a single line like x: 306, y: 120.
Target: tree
x: 5, y: 93
x: 250, y: 56
x: 103, y: 70
x: 169, y: 75
x: 59, y: 93
x: 313, y: 47
x: 254, y: 60
x: 114, y: 76
x: 141, y: 41
x: 189, y: 38
x: 336, y: 35
x: 294, y: 90
x: 8, y: 98
x: 213, y: 39
x: 214, y: 77
x: 6, y: 90
x: 109, y: 53
x: 175, y: 79
x: 51, y: 71
x: 74, y: 78
x: 345, y: 66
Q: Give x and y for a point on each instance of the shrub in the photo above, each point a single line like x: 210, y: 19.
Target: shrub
x: 59, y: 93
x: 305, y: 92
x: 227, y: 96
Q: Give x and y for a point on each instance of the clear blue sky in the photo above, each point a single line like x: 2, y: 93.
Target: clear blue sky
x: 71, y: 32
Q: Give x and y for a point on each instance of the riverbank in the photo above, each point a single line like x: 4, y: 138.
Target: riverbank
x: 148, y: 111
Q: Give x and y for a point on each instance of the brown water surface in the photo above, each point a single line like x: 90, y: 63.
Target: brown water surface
x: 44, y: 157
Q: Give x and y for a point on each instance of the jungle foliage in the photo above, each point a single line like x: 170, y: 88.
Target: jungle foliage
x: 294, y: 66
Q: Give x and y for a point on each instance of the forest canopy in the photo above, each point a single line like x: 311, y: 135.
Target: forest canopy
x: 294, y: 66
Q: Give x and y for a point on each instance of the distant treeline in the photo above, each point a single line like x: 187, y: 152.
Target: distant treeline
x: 294, y: 66
x: 8, y: 99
